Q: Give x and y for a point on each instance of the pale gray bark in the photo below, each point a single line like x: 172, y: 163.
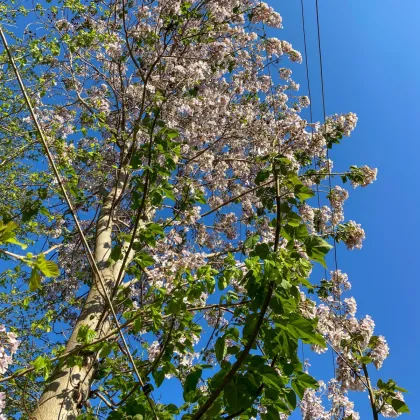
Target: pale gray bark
x: 70, y: 386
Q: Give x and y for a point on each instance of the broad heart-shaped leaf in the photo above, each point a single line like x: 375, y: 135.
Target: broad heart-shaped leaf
x: 232, y: 398
x: 220, y: 348
x: 171, y: 133
x: 41, y: 364
x: 261, y: 250
x: 287, y: 344
x: 263, y: 175
x: 30, y: 210
x: 158, y: 376
x: 14, y: 241
x: 317, y: 248
x: 85, y: 335
x: 239, y: 394
x: 294, y: 219
x: 191, y: 382
x: 34, y: 280
x: 48, y: 268
x: 291, y: 398
x: 4, y: 229
x: 143, y: 259
x: 307, y: 380
x: 304, y: 329
x: 303, y: 192
x: 271, y: 378
x: 7, y: 234
x: 116, y: 253
x: 301, y: 382
x: 251, y: 241
x: 399, y: 406
x: 300, y: 232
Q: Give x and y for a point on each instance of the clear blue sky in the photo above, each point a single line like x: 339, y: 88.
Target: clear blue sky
x: 371, y: 67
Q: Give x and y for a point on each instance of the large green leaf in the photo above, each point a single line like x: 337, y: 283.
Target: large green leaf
x: 399, y: 406
x: 34, y: 280
x: 303, y: 381
x: 304, y: 329
x: 47, y: 267
x: 7, y: 234
x: 190, y: 384
x: 317, y: 248
x: 220, y: 348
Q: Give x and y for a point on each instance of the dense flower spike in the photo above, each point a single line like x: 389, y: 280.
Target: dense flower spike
x: 8, y: 347
x: 2, y: 405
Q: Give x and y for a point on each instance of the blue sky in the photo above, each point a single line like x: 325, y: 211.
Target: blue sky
x: 371, y: 67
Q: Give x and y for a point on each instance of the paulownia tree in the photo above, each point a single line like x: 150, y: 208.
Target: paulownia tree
x: 155, y: 164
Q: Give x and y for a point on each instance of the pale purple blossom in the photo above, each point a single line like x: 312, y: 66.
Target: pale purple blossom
x: 379, y: 352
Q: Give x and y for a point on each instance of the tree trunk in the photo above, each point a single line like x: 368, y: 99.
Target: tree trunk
x: 69, y: 387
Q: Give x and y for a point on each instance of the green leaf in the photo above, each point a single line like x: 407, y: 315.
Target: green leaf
x: 34, y: 280
x: 262, y: 251
x: 172, y: 133
x: 239, y: 394
x: 191, y: 382
x: 31, y: 210
x: 116, y: 253
x: 85, y: 335
x: 232, y: 398
x: 365, y: 360
x: 14, y: 241
x: 158, y: 376
x: 42, y: 364
x: 303, y: 381
x: 7, y: 234
x: 291, y: 398
x: 399, y: 406
x: 317, y: 248
x: 287, y: 344
x: 302, y: 192
x: 294, y: 219
x: 217, y: 379
x: 308, y: 380
x: 263, y: 175
x: 47, y: 267
x: 299, y: 232
x: 105, y: 350
x: 271, y: 378
x: 220, y: 348
x: 300, y: 327
x: 174, y: 307
x: 144, y: 260
x: 38, y: 363
x: 42, y: 193
x: 251, y: 241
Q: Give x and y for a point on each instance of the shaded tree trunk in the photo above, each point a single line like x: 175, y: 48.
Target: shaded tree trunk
x: 69, y: 387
